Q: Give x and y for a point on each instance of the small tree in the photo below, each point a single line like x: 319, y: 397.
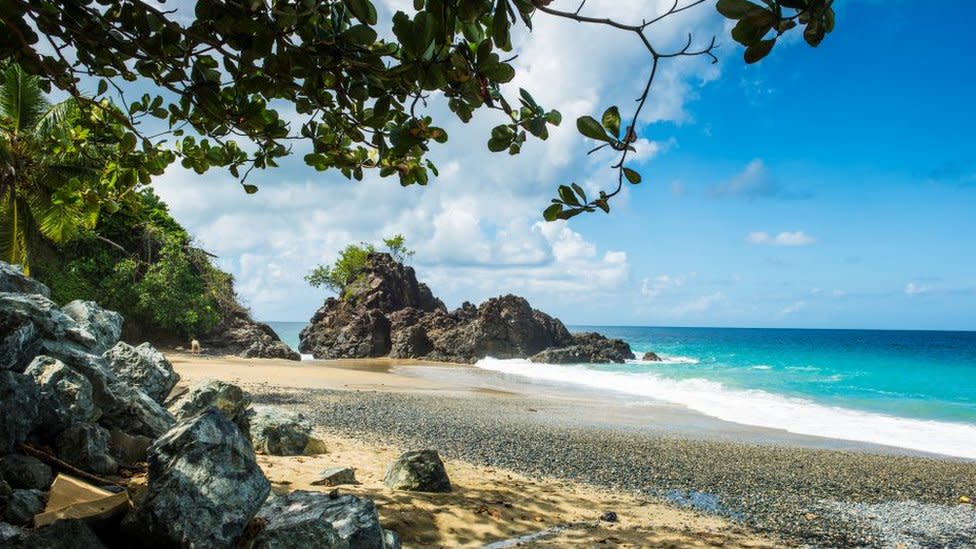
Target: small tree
x: 352, y: 260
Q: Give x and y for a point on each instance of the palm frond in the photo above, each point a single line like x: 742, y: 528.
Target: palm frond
x: 56, y: 119
x: 58, y: 221
x: 21, y: 99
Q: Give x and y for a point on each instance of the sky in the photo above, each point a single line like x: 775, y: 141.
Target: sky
x: 821, y: 188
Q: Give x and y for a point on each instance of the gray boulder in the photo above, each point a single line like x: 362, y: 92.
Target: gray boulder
x: 279, y: 433
x: 19, y: 398
x: 66, y: 395
x: 9, y: 534
x: 418, y: 471
x: 204, y: 485
x: 26, y: 472
x: 104, y: 325
x: 143, y: 367
x: 23, y: 505
x: 18, y: 344
x: 12, y: 280
x: 86, y: 446
x: 50, y: 322
x: 354, y: 520
x: 64, y: 534
x: 227, y: 398
x: 336, y: 476
x: 128, y: 449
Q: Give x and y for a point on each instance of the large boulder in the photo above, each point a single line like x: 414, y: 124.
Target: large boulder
x: 589, y: 348
x: 22, y: 506
x: 418, y: 471
x: 19, y: 340
x: 66, y: 396
x: 25, y: 472
x: 280, y: 433
x: 294, y: 519
x: 341, y: 329
x: 13, y: 280
x: 143, y: 367
x: 19, y: 399
x: 86, y: 446
x: 204, y: 485
x: 49, y: 321
x: 104, y: 325
x: 240, y: 335
x: 226, y: 398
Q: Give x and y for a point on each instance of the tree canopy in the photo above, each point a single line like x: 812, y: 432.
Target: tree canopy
x: 221, y: 79
x: 351, y: 261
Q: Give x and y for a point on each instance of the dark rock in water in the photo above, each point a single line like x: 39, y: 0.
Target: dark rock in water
x: 12, y: 280
x: 23, y: 505
x: 418, y: 471
x: 66, y: 395
x: 651, y: 357
x: 64, y: 534
x: 588, y: 347
x: 226, y: 398
x: 354, y: 520
x: 279, y: 433
x: 19, y: 399
x: 18, y: 342
x: 204, y: 485
x: 385, y: 311
x: 336, y: 476
x: 143, y: 367
x: 26, y: 472
x: 104, y: 325
x: 240, y: 335
x: 86, y: 446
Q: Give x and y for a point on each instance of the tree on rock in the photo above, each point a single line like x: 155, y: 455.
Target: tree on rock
x: 351, y: 261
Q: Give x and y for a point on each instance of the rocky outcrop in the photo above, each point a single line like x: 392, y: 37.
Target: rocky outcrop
x: 12, y: 280
x: 418, y: 471
x: 204, y: 485
x: 144, y: 367
x: 588, y: 347
x: 104, y: 325
x: 240, y: 335
x: 384, y: 311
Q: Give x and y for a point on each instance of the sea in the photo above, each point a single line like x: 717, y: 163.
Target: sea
x: 908, y: 389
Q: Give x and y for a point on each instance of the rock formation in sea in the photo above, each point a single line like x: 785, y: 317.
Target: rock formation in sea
x: 240, y: 335
x: 384, y: 311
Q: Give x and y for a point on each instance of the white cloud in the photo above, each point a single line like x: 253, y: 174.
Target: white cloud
x: 755, y: 181
x: 656, y: 286
x: 786, y: 238
x: 912, y: 289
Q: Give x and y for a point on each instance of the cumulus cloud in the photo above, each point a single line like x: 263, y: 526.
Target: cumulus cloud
x: 786, y: 238
x: 755, y: 181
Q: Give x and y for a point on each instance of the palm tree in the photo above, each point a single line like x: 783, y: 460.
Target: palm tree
x: 50, y: 175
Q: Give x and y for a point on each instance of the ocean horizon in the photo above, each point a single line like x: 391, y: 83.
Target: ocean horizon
x: 905, y: 388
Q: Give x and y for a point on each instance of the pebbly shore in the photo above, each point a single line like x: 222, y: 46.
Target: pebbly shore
x: 813, y: 497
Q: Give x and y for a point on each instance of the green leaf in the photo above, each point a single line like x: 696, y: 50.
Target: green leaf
x: 632, y: 176
x: 759, y: 50
x: 567, y: 196
x: 497, y: 144
x: 580, y: 192
x: 102, y: 87
x: 588, y: 126
x: 611, y: 120
x: 735, y: 9
x: 363, y: 10
x: 554, y: 117
x: 500, y: 27
x: 250, y: 189
x: 552, y: 212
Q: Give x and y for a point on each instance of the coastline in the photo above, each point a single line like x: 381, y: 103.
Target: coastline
x: 764, y: 482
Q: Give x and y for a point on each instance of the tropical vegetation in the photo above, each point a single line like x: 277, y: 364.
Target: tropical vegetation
x: 351, y: 261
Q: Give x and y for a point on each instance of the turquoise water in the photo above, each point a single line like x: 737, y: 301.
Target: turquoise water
x: 915, y: 389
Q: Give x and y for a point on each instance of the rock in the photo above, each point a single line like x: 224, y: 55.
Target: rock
x: 294, y: 522
x: 65, y: 395
x: 418, y: 471
x: 589, y: 348
x: 104, y: 325
x: 19, y: 398
x: 410, y: 342
x: 143, y: 367
x: 651, y: 357
x: 227, y: 398
x: 391, y: 540
x: 340, y: 329
x: 12, y: 280
x: 609, y: 516
x: 9, y: 534
x: 86, y: 446
x: 23, y: 505
x: 240, y: 335
x: 50, y: 322
x: 128, y: 449
x: 204, y: 485
x: 18, y: 344
x: 26, y: 472
x: 336, y: 476
x: 354, y: 519
x: 64, y: 534
x: 279, y: 433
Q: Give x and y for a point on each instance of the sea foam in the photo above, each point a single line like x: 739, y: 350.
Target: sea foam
x: 760, y: 408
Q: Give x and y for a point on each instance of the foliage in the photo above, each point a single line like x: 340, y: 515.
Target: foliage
x: 140, y: 261
x: 351, y: 261
x: 220, y: 75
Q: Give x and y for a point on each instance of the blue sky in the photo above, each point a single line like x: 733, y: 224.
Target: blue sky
x: 821, y: 188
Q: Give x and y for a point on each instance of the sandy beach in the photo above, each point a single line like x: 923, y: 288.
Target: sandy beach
x: 549, y: 465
